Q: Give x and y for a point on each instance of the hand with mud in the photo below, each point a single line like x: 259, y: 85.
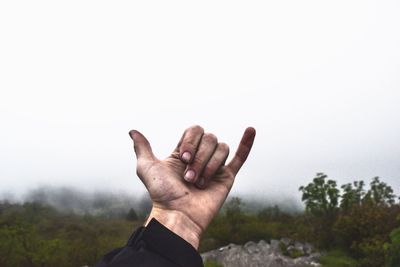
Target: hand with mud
x: 189, y: 187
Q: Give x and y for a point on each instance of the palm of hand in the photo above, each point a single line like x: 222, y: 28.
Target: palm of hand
x: 168, y: 190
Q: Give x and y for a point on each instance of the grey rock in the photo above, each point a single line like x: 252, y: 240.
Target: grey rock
x: 299, y: 246
x: 308, y: 248
x: 315, y: 256
x: 275, y: 245
x: 261, y: 254
x: 286, y: 241
x: 252, y: 247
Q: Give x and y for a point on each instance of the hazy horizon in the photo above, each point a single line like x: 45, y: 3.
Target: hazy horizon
x: 318, y: 80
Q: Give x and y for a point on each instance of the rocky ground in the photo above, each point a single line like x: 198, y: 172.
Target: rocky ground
x: 276, y: 253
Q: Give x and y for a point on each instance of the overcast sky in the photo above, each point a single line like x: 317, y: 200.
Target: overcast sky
x: 319, y: 80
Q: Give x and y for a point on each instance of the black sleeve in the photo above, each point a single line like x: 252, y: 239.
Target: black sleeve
x: 154, y: 246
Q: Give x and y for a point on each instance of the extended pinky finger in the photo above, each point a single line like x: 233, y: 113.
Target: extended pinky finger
x: 243, y: 150
x: 216, y: 161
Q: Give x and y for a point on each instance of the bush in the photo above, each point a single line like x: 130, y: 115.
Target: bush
x: 392, y: 249
x: 337, y: 258
x: 35, y: 235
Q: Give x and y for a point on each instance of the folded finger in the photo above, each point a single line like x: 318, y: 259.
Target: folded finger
x: 216, y: 161
x: 189, y: 143
x: 203, y: 154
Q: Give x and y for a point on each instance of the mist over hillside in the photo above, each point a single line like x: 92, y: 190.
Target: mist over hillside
x: 73, y: 200
x: 117, y: 204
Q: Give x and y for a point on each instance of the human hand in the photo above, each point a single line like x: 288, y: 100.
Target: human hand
x: 189, y: 187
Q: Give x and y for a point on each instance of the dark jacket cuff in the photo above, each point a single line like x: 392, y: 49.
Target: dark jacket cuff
x: 149, y: 245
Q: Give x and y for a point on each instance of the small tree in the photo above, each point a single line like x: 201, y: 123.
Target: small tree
x: 321, y: 198
x: 365, y: 221
x: 132, y: 215
x: 270, y: 213
x: 380, y: 193
x: 352, y: 195
x: 234, y: 214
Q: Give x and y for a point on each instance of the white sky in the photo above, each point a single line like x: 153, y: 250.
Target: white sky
x: 319, y: 80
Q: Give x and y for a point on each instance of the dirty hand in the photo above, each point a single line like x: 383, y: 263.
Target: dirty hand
x: 189, y: 187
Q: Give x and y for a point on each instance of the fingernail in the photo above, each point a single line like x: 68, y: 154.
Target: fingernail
x: 189, y: 176
x: 132, y: 133
x: 186, y: 156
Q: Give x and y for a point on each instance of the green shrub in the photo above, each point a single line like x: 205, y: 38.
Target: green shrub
x: 295, y: 253
x: 392, y: 249
x: 292, y: 253
x: 337, y: 258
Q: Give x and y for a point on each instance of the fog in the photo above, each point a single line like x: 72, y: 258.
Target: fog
x: 317, y: 79
x: 69, y: 200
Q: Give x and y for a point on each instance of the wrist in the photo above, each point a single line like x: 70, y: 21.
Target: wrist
x: 179, y: 223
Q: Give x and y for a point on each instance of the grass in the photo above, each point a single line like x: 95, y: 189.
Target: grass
x: 337, y: 258
x: 212, y: 264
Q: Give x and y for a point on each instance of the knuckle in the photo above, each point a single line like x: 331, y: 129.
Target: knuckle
x: 189, y: 146
x: 197, y: 129
x: 209, y: 170
x: 197, y: 163
x: 223, y: 147
x: 191, y: 137
x: 230, y: 173
x: 209, y: 137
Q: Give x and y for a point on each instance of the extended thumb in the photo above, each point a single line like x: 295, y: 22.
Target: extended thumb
x: 141, y: 145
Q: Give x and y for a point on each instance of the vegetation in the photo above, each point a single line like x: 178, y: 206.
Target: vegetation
x: 392, y: 248
x: 357, y: 226
x: 337, y: 258
x: 354, y: 225
x: 212, y: 264
x: 35, y: 235
x: 361, y: 224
